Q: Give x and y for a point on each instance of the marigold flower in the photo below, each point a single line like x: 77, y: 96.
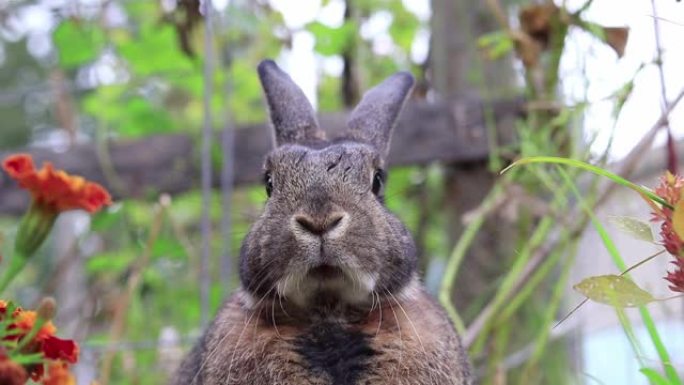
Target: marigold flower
x: 25, y: 321
x: 11, y: 373
x: 58, y: 374
x: 671, y: 189
x: 56, y: 188
x: 53, y: 191
x: 58, y: 349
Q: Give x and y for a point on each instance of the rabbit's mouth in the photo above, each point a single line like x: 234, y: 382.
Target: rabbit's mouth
x: 326, y: 271
x: 334, y: 282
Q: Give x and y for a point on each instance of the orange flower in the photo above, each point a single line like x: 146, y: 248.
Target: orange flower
x: 44, y: 341
x: 55, y: 188
x: 57, y: 353
x: 58, y: 374
x: 25, y: 321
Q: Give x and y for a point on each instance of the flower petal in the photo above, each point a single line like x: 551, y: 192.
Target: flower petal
x: 55, y: 189
x: 58, y: 374
x: 19, y: 166
x: 678, y: 219
x: 58, y: 349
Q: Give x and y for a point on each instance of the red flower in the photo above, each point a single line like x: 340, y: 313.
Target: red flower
x: 671, y: 189
x: 58, y: 349
x: 676, y: 277
x: 56, y: 188
x: 11, y: 373
x: 60, y: 352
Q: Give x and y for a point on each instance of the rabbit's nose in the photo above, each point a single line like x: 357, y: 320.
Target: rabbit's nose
x: 322, y: 225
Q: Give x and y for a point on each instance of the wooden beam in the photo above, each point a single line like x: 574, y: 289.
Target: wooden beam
x: 452, y: 131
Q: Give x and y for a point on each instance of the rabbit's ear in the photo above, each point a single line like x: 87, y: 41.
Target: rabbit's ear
x: 293, y: 117
x: 374, y: 118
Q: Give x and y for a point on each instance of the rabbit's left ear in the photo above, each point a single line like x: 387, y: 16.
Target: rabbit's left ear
x: 373, y: 120
x: 294, y: 120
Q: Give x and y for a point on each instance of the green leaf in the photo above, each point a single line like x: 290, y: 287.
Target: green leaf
x: 614, y: 290
x: 654, y: 377
x: 78, y: 43
x: 110, y: 262
x: 105, y: 219
x: 153, y: 50
x: 591, y: 168
x: 167, y: 247
x: 497, y: 44
x: 634, y: 227
x: 130, y: 114
x: 330, y: 40
x: 28, y: 359
x: 403, y: 28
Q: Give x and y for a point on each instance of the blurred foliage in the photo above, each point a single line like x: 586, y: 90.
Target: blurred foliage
x: 135, y: 69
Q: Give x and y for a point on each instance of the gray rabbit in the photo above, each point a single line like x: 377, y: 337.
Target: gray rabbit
x: 329, y: 292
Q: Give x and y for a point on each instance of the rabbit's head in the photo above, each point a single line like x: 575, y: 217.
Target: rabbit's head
x: 325, y: 232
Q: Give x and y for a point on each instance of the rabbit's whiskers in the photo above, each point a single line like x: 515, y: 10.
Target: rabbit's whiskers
x: 237, y: 343
x: 413, y: 326
x: 380, y: 309
x: 401, y: 339
x: 214, y: 351
x: 273, y: 319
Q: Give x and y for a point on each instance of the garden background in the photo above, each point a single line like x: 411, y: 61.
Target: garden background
x: 159, y: 101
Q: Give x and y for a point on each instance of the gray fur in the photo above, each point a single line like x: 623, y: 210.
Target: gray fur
x: 326, y: 253
x: 373, y: 120
x: 294, y: 120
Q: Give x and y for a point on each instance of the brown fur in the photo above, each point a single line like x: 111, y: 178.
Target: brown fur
x: 415, y: 341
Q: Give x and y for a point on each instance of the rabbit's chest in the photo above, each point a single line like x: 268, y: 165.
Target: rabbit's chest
x: 364, y: 354
x: 343, y: 355
x: 391, y: 347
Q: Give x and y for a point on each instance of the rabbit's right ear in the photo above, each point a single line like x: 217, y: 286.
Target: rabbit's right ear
x: 294, y: 120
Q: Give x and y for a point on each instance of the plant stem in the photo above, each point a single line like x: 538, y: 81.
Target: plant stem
x: 596, y: 170
x: 663, y: 354
x: 459, y: 252
x: 646, y: 317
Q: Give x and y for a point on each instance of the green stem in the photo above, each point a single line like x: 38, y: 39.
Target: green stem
x: 646, y: 317
x: 459, y: 252
x: 17, y: 263
x: 552, y: 309
x: 663, y: 354
x: 596, y: 170
x: 528, y: 289
x: 33, y: 229
x: 501, y: 298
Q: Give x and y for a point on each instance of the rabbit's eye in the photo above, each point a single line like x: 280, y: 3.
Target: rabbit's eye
x: 268, y: 182
x: 378, y: 182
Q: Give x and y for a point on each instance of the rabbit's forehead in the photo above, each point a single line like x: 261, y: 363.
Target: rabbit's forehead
x: 347, y: 154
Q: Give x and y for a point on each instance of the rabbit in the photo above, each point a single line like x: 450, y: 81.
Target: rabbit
x: 329, y: 291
